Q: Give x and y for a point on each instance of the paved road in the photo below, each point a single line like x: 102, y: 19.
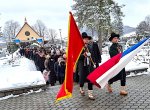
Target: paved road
x: 138, y: 98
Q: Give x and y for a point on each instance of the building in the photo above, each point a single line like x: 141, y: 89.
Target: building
x: 27, y: 33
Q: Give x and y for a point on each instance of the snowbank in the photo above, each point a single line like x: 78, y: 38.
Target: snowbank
x: 136, y: 66
x: 13, y: 80
x: 132, y: 65
x: 30, y: 92
x: 22, y: 73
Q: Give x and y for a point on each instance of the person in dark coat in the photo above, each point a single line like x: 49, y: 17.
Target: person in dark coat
x: 57, y: 55
x: 22, y: 51
x: 115, y: 49
x: 35, y: 58
x: 56, y: 69
x: 61, y: 70
x: 49, y: 66
x: 95, y: 52
x: 31, y: 54
x: 40, y: 60
x: 85, y: 66
x: 26, y: 52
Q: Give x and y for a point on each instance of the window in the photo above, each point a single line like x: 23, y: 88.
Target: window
x: 27, y: 33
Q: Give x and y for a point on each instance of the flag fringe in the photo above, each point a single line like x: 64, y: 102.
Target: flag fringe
x: 69, y: 95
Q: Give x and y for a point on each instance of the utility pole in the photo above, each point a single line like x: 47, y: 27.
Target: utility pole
x: 60, y: 37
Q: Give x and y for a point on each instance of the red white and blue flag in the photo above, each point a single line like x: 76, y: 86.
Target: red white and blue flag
x: 114, y: 65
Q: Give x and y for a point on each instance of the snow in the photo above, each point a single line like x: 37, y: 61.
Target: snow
x: 135, y: 66
x: 138, y: 74
x: 20, y: 73
x: 132, y: 65
x: 130, y: 34
x: 30, y: 92
x: 6, y: 97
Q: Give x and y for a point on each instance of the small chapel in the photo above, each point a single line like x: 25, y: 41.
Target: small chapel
x: 27, y: 33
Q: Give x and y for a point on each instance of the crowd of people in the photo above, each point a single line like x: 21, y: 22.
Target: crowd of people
x: 50, y: 60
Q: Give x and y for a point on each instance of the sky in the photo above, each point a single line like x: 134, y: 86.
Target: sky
x: 135, y: 11
x: 54, y: 13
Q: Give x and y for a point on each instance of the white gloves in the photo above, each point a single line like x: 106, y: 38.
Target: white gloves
x: 88, y: 54
x: 94, y: 66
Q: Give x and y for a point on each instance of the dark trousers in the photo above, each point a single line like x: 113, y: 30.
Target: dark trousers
x: 60, y: 79
x: 83, y: 73
x: 120, y: 76
x: 76, y: 77
x: 97, y: 65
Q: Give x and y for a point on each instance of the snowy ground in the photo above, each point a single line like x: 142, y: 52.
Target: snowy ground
x: 19, y: 73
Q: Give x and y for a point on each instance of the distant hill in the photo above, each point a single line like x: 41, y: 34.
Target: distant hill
x: 128, y: 29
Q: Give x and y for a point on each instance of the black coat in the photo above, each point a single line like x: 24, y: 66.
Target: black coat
x: 95, y: 53
x: 55, y: 68
x: 115, y: 49
x: 56, y: 57
x: 40, y: 63
x: 61, y: 69
x: 52, y: 75
x: 35, y: 58
x: 51, y: 63
x: 82, y: 72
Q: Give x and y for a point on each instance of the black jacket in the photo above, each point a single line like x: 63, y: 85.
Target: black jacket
x: 95, y: 53
x: 114, y: 49
x: 82, y: 62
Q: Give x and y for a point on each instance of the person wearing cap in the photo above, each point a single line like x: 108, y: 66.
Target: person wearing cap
x: 84, y: 67
x: 114, y: 49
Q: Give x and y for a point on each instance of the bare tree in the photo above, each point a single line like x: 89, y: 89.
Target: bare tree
x: 52, y: 34
x: 40, y: 28
x: 144, y: 27
x: 141, y: 28
x: 147, y: 20
x: 11, y: 28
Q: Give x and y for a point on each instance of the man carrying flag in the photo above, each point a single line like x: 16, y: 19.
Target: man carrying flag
x: 109, y: 69
x: 85, y: 66
x: 115, y: 49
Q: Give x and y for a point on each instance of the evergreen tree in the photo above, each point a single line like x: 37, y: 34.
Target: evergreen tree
x: 98, y: 15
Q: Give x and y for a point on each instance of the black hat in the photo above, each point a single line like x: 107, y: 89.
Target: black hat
x: 84, y: 35
x: 113, y: 35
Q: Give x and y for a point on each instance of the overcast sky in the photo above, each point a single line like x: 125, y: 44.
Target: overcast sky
x: 135, y: 11
x: 54, y: 13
